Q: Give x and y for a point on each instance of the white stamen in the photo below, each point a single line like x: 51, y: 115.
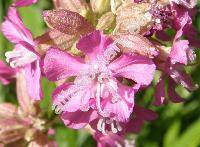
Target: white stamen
x: 114, y: 125
x: 119, y: 128
x: 104, y: 128
x: 113, y: 129
x: 18, y: 58
x: 99, y: 124
x: 57, y: 109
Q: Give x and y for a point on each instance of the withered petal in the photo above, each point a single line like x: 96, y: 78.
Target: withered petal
x: 67, y: 22
x: 56, y: 39
x: 106, y: 21
x: 133, y: 18
x: 11, y: 130
x: 136, y: 44
x: 7, y: 110
x: 79, y: 6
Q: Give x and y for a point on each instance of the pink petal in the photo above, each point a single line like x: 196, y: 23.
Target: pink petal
x: 135, y: 125
x: 74, y: 102
x: 160, y: 92
x: 138, y: 68
x: 163, y: 35
x: 183, y: 21
x: 172, y: 92
x: 21, y: 3
x: 71, y: 120
x: 6, y: 73
x: 14, y: 29
x: 22, y: 94
x: 179, y: 52
x: 118, y: 111
x: 145, y: 114
x: 33, y: 76
x: 178, y: 74
x: 7, y: 110
x: 121, y: 109
x: 59, y: 65
x: 94, y: 44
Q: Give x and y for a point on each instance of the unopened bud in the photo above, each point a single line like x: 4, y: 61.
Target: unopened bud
x: 100, y: 6
x: 106, y: 21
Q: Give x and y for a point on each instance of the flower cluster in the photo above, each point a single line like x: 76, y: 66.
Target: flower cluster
x: 100, y: 54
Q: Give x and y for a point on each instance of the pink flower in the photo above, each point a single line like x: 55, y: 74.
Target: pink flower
x: 6, y: 73
x: 180, y: 51
x: 176, y: 16
x: 172, y: 69
x: 96, y: 90
x: 183, y: 19
x: 21, y: 3
x: 24, y: 56
x: 175, y: 73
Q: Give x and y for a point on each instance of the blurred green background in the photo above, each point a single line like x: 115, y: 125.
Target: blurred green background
x: 178, y: 125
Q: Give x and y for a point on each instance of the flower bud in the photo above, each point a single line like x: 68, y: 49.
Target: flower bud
x: 67, y: 22
x: 106, y: 21
x: 79, y: 6
x: 30, y: 135
x: 100, y: 6
x: 11, y: 130
x: 134, y: 18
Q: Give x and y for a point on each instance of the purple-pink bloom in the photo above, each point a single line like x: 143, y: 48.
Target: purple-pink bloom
x: 180, y: 51
x: 6, y: 73
x: 175, y: 73
x: 173, y: 68
x: 183, y: 20
x: 24, y: 55
x: 21, y: 3
x: 97, y: 90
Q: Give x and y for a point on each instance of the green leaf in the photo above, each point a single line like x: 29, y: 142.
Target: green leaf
x: 46, y: 104
x: 190, y: 137
x: 66, y: 137
x: 172, y: 134
x: 32, y: 18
